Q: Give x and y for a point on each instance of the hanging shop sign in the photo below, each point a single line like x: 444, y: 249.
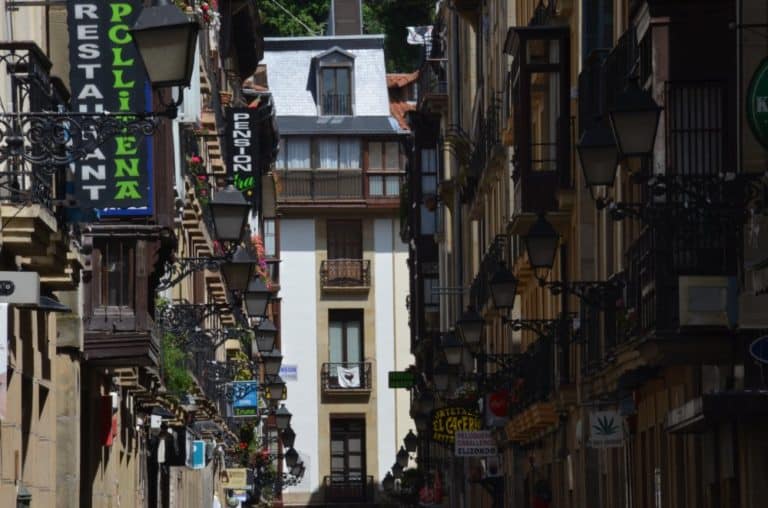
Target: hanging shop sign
x: 242, y: 150
x: 757, y: 103
x: 401, y: 379
x: 446, y: 421
x: 246, y: 402
x: 606, y: 429
x: 106, y: 74
x: 478, y: 443
x: 497, y: 408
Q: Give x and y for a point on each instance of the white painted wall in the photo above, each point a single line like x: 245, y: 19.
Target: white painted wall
x: 298, y: 324
x: 403, y: 356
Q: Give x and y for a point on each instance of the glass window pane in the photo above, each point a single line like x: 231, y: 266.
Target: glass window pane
x: 329, y: 86
x: 355, y: 462
x: 337, y: 463
x: 429, y: 184
x: 342, y: 81
x: 376, y: 185
x: 337, y: 446
x: 393, y: 155
x: 427, y: 221
x: 354, y: 350
x: 355, y: 445
x: 327, y: 149
x: 297, y: 153
x: 428, y: 160
x: 393, y: 186
x: 374, y: 155
x: 349, y: 153
x: 269, y: 238
x: 280, y: 161
x: 335, y: 342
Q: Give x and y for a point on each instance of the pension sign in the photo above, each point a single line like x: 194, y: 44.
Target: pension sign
x: 447, y: 421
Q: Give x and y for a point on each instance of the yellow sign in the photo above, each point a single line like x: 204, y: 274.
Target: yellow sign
x: 447, y: 421
x: 235, y: 478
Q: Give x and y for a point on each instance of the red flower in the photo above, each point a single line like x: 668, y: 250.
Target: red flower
x: 202, y: 178
x: 196, y: 159
x: 243, y: 445
x: 203, y: 192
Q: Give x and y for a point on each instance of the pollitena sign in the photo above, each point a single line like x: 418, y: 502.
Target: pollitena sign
x: 757, y: 104
x: 107, y: 75
x: 446, y: 421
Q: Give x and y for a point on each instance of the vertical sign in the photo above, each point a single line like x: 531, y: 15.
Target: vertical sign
x: 106, y: 74
x: 243, y: 151
x: 757, y: 103
x: 3, y: 358
x: 246, y: 401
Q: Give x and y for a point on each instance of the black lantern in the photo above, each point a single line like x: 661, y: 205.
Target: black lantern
x: 166, y: 39
x: 298, y: 469
x: 275, y: 389
x: 257, y: 298
x: 426, y: 401
x: 272, y: 361
x: 421, y: 420
x: 388, y: 483
x: 402, y: 457
x: 282, y: 417
x: 229, y: 211
x: 397, y: 470
x: 411, y: 441
x: 503, y: 287
x: 634, y: 121
x: 443, y: 377
x: 452, y: 348
x: 239, y: 270
x: 470, y: 327
x: 541, y: 243
x: 598, y: 155
x: 265, y: 336
x: 288, y: 437
x: 291, y: 457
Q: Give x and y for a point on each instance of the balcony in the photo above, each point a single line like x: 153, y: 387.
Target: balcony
x: 433, y: 85
x: 346, y: 377
x: 345, y: 274
x: 341, y: 488
x: 334, y: 104
x: 303, y: 185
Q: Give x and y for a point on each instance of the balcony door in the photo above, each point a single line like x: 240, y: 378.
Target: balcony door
x: 345, y: 252
x: 347, y: 480
x: 345, y: 341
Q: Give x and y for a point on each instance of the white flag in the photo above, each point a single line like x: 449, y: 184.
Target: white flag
x: 348, y: 377
x: 419, y: 35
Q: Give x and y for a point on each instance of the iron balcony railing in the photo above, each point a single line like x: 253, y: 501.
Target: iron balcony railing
x: 345, y: 273
x: 480, y: 290
x: 336, y: 104
x: 347, y: 376
x: 319, y: 185
x: 348, y: 488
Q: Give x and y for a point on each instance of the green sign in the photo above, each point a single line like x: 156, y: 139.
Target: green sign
x: 401, y: 379
x: 757, y: 104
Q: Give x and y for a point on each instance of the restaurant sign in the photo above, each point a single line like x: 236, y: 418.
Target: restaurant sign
x: 107, y: 75
x: 757, y: 103
x: 446, y: 421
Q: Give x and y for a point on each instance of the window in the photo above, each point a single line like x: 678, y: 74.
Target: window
x: 597, y: 26
x: 345, y: 337
x: 270, y: 246
x: 294, y: 153
x: 116, y: 273
x: 347, y: 459
x: 336, y: 96
x: 338, y: 153
x: 428, y: 171
x: 345, y: 239
x: 383, y: 157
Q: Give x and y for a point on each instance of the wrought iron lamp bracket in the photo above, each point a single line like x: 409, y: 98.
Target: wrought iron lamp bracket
x: 541, y: 327
x: 592, y: 293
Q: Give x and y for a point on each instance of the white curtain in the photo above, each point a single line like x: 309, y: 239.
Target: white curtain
x: 327, y: 149
x: 349, y: 153
x: 297, y: 153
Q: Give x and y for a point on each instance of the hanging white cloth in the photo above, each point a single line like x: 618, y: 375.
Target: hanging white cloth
x: 161, y: 451
x: 348, y: 377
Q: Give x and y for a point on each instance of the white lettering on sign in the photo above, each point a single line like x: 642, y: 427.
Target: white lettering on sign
x: 475, y: 444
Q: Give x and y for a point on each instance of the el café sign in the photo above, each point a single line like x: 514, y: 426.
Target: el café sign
x: 447, y: 421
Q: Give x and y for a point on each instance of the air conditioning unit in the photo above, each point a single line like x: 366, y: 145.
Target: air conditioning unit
x: 708, y: 301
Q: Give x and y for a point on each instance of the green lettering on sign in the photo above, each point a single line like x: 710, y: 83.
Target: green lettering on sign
x: 757, y: 104
x: 401, y: 379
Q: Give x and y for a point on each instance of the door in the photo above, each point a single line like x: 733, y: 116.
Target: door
x: 348, y: 479
x: 345, y: 252
x: 345, y: 334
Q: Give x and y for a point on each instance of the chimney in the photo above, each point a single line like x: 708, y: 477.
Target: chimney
x: 346, y: 17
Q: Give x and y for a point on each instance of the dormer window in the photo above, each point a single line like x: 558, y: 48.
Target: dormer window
x: 335, y: 82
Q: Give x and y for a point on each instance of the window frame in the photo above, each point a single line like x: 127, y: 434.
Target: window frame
x: 384, y: 172
x: 335, y: 60
x: 347, y: 316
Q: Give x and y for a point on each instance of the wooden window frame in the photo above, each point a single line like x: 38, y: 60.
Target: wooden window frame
x: 346, y: 316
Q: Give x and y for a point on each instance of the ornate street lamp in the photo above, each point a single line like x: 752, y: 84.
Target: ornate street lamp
x: 635, y: 120
x: 426, y: 401
x: 397, y: 470
x: 452, y: 349
x: 256, y: 298
x: 166, y: 40
x: 239, y: 270
x: 275, y: 389
x: 541, y: 243
x: 402, y: 457
x: 282, y: 417
x: 272, y: 361
x: 229, y: 211
x: 444, y: 376
x: 503, y: 287
x: 266, y: 334
x: 598, y: 155
x: 388, y: 483
x: 291, y: 457
x: 288, y: 437
x: 470, y: 327
x: 411, y: 441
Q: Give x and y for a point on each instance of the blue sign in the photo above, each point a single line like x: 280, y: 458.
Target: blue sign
x: 759, y: 349
x: 289, y: 372
x: 198, y: 455
x: 246, y: 398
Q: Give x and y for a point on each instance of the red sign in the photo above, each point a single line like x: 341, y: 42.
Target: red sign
x: 498, y: 403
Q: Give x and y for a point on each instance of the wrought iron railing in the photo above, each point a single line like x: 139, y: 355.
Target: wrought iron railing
x: 348, y: 376
x: 340, y: 273
x: 348, y: 488
x: 336, y: 104
x: 300, y: 184
x: 480, y: 290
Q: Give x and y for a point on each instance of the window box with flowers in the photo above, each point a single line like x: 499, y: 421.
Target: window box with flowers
x: 197, y: 170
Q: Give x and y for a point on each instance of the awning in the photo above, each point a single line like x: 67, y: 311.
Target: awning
x: 330, y: 125
x: 713, y: 408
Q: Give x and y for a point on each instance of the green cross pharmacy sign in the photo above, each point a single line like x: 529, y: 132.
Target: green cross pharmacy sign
x: 757, y: 104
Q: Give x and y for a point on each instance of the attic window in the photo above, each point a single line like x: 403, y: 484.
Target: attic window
x: 335, y: 82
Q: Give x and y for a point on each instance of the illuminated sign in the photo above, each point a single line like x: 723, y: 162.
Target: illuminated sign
x: 447, y: 421
x: 243, y: 151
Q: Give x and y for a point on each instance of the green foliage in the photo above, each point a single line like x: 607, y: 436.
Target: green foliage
x: 389, y: 17
x: 176, y: 377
